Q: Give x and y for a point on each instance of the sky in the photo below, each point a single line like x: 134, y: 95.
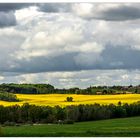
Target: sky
x: 70, y: 44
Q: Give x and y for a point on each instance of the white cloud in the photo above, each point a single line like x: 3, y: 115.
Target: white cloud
x: 82, y: 9
x: 1, y: 77
x: 51, y: 40
x: 125, y: 76
x: 80, y: 79
x: 63, y: 41
x: 91, y: 47
x: 107, y: 11
x: 29, y: 78
x: 23, y: 14
x: 59, y: 38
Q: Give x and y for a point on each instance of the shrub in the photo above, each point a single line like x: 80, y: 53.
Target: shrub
x: 119, y: 103
x: 69, y: 99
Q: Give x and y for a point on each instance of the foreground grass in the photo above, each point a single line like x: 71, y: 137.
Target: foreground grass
x: 129, y: 127
x: 60, y: 99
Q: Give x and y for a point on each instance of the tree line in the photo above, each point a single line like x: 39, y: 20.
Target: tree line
x: 49, y: 89
x: 46, y: 114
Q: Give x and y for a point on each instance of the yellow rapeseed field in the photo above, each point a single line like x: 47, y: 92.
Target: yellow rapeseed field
x: 60, y: 99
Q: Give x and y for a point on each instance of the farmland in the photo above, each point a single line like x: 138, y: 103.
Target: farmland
x: 42, y: 115
x: 60, y: 99
x: 113, y: 127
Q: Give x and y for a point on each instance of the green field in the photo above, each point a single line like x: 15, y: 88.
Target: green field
x: 129, y: 127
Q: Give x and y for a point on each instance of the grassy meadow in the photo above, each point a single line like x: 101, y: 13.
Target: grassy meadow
x: 60, y: 99
x: 113, y: 127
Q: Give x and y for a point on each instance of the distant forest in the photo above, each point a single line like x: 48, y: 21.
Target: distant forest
x: 49, y: 89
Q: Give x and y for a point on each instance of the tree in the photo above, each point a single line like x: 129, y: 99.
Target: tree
x: 119, y: 103
x: 104, y: 91
x: 136, y: 90
x: 69, y: 99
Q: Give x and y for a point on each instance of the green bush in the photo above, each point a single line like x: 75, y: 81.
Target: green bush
x: 69, y: 99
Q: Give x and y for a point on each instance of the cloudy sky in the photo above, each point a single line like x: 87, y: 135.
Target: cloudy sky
x: 70, y: 44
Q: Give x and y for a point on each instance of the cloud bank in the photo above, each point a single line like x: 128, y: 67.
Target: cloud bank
x: 57, y: 38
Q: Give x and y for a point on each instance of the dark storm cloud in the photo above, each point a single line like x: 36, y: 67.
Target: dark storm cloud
x: 109, y: 12
x: 112, y: 58
x: 7, y: 19
x: 120, y: 57
x: 64, y: 62
x: 120, y: 13
x: 6, y: 7
x: 54, y: 7
x: 7, y: 15
x: 45, y: 7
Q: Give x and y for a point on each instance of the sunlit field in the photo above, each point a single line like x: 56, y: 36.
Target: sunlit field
x: 60, y: 99
x: 123, y: 127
